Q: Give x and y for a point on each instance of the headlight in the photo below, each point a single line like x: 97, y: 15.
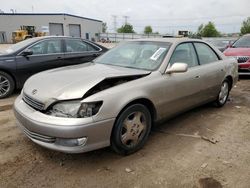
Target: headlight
x: 89, y: 109
x: 75, y: 109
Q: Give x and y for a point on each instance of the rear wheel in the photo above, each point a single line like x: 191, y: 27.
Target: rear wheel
x: 7, y: 85
x: 224, y: 93
x: 131, y: 129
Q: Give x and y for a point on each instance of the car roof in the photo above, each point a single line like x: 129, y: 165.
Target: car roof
x: 170, y: 40
x: 55, y: 36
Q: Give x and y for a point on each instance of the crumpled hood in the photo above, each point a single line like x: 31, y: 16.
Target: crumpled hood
x: 72, y: 82
x: 237, y: 52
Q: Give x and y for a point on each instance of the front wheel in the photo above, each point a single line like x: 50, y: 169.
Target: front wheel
x: 7, y: 85
x: 224, y: 93
x: 131, y: 129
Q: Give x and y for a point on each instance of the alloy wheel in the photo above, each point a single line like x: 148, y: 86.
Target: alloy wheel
x: 4, y: 85
x: 133, y: 129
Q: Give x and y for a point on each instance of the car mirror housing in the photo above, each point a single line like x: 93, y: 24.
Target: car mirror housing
x: 177, y: 68
x: 27, y: 52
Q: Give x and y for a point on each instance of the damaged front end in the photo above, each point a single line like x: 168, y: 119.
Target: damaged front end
x: 78, y: 109
x: 111, y: 82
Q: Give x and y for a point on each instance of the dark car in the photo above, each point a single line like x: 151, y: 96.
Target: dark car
x: 21, y: 60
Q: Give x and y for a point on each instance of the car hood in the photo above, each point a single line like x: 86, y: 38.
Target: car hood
x: 72, y: 82
x: 237, y: 52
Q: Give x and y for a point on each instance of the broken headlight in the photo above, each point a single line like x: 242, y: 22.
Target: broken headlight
x: 89, y: 109
x: 74, y: 109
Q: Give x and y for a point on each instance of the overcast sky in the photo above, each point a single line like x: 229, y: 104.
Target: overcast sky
x: 165, y: 16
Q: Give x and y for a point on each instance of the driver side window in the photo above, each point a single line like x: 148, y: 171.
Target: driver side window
x: 47, y: 47
x: 184, y: 53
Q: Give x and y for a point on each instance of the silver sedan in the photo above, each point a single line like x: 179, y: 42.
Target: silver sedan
x: 115, y: 100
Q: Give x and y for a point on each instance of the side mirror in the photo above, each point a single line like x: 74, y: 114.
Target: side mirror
x: 27, y: 52
x: 177, y: 67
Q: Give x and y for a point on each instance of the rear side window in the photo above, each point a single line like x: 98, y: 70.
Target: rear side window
x: 205, y: 53
x: 78, y: 46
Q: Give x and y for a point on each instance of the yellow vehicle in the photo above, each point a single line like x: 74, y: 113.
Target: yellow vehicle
x: 24, y: 33
x: 20, y: 35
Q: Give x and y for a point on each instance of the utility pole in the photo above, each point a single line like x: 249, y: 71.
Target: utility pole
x: 126, y: 19
x: 115, y: 23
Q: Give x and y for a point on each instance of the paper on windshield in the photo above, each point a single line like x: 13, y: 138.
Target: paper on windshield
x: 158, y: 53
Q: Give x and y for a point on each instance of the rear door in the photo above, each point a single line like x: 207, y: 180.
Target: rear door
x: 212, y: 70
x: 47, y: 54
x: 78, y: 51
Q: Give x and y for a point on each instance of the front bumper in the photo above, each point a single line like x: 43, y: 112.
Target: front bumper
x: 49, y: 131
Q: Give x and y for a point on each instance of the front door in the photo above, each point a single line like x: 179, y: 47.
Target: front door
x: 181, y: 91
x: 47, y: 54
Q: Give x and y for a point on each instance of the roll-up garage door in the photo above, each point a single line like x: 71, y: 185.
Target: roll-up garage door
x: 74, y: 30
x: 56, y: 29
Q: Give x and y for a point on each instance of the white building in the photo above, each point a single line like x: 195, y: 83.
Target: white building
x: 52, y: 24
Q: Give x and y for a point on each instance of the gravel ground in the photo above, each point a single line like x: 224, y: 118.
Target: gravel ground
x: 205, y: 147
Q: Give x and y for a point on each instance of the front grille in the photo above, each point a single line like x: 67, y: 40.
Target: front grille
x: 39, y: 137
x: 242, y: 59
x: 33, y: 103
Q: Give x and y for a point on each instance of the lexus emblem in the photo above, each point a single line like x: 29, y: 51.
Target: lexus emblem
x: 34, y: 92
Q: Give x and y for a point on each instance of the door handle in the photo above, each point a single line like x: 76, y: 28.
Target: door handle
x: 95, y: 55
x: 59, y: 57
x: 197, y: 76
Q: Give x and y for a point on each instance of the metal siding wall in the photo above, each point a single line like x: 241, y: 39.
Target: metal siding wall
x: 10, y: 23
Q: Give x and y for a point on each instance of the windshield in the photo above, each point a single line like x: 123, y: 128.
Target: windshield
x: 136, y: 54
x: 243, y: 42
x: 17, y: 46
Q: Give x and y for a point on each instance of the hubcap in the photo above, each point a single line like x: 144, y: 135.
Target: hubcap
x: 223, y: 93
x: 4, y: 85
x: 133, y: 128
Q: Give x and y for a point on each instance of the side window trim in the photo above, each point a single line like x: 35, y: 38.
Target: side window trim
x: 196, y: 53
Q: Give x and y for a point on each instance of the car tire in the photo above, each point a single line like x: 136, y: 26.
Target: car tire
x: 7, y: 85
x: 223, y: 94
x: 131, y: 129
